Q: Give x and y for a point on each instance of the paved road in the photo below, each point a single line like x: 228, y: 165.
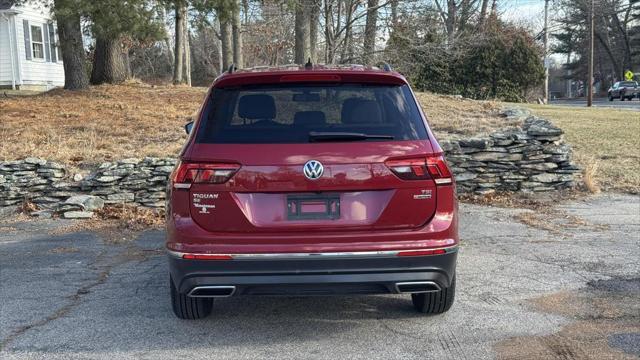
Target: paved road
x: 601, y: 102
x: 564, y: 288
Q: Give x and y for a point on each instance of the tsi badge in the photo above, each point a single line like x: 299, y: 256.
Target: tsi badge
x: 424, y: 194
x: 199, y: 200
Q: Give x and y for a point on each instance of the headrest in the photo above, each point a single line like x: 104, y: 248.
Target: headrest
x: 309, y: 118
x: 257, y: 106
x: 359, y: 111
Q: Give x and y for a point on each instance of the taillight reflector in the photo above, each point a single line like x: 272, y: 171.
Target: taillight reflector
x: 422, y: 252
x: 206, y: 257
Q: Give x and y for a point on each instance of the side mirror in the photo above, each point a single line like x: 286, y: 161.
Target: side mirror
x: 188, y: 127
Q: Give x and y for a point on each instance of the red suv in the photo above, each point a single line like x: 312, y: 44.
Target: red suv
x: 311, y: 181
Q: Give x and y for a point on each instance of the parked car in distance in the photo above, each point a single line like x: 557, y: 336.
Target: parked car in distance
x: 311, y: 181
x: 624, y: 90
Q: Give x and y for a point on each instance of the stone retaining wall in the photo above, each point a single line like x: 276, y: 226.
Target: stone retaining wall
x: 52, y: 188
x: 531, y: 158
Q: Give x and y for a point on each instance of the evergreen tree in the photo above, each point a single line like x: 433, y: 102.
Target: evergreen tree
x: 114, y: 23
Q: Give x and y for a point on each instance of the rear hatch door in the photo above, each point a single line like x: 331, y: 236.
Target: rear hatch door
x: 269, y: 131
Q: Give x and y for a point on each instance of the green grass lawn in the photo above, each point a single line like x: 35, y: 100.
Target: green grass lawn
x: 606, y: 139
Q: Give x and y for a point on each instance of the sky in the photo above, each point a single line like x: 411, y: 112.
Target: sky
x: 528, y: 12
x: 531, y: 14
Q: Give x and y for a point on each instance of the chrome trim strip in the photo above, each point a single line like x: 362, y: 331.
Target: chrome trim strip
x: 233, y: 291
x: 431, y: 283
x: 327, y: 255
x: 182, y: 185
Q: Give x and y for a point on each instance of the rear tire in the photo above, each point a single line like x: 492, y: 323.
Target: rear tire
x: 189, y: 308
x: 610, y: 98
x: 436, y: 302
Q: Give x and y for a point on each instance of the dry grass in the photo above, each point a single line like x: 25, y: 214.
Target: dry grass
x: 450, y: 116
x: 103, y: 123
x: 135, y: 120
x: 117, y: 223
x: 589, y: 176
x: 606, y: 143
x: 131, y: 217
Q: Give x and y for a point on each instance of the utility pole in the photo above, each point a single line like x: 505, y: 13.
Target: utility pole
x: 545, y: 93
x: 590, y: 79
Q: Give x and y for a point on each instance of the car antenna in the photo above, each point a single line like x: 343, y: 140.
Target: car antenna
x: 386, y: 67
x: 232, y: 68
x: 308, y: 65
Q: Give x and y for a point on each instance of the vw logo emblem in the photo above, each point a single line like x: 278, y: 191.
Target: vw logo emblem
x: 313, y: 169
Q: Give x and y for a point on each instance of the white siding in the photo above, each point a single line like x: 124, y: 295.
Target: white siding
x: 36, y: 71
x: 5, y: 52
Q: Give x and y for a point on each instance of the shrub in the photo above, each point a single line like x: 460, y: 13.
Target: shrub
x: 502, y: 65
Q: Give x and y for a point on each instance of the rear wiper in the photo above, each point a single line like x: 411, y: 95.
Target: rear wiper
x: 315, y: 136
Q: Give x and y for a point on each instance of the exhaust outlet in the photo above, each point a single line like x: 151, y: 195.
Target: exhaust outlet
x: 417, y: 287
x: 212, y: 291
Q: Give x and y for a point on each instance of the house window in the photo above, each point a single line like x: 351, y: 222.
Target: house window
x: 37, y: 42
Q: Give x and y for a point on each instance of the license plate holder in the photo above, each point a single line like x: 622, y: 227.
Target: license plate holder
x: 313, y: 207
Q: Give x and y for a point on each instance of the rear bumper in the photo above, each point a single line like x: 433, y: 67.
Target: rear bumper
x: 310, y: 275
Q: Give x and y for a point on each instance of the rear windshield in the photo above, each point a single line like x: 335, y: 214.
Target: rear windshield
x: 289, y: 113
x: 628, y: 83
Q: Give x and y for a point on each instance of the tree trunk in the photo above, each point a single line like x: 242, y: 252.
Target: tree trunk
x: 347, y: 50
x: 394, y: 14
x: 328, y: 31
x: 614, y: 59
x: 237, y: 39
x: 245, y: 7
x: 219, y: 48
x: 126, y: 60
x: 302, y: 39
x: 178, y: 66
x: 108, y: 62
x: 170, y: 57
x: 483, y: 14
x: 370, y: 32
x: 227, y: 43
x: 187, y: 55
x: 314, y: 19
x: 70, y: 34
x: 451, y: 20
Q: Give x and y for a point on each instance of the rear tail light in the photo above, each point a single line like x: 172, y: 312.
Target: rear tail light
x: 423, y: 168
x: 439, y: 170
x: 202, y: 173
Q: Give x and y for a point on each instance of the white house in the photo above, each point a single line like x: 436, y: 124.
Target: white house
x: 29, y: 53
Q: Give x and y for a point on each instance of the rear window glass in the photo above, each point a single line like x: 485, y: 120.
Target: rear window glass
x: 288, y: 113
x: 628, y: 83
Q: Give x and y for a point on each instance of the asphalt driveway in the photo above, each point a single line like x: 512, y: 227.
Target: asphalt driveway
x: 563, y: 284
